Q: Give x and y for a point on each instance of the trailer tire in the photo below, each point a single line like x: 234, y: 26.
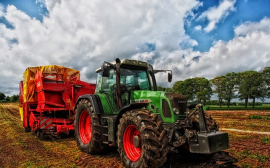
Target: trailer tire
x: 89, y: 139
x: 141, y: 139
x: 27, y: 129
x: 41, y: 135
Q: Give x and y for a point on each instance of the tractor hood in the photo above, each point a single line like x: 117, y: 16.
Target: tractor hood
x: 170, y: 106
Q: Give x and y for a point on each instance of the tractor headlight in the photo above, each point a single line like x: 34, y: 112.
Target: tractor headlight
x: 176, y: 111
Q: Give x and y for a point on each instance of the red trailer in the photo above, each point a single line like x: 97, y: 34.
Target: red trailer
x: 48, y: 95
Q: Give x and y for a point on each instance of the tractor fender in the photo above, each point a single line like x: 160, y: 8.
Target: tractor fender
x: 125, y: 109
x: 95, y: 101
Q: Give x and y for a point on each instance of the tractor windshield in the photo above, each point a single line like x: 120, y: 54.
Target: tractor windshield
x: 134, y: 79
x: 130, y: 79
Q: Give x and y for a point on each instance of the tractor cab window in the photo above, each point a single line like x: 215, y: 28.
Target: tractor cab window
x: 130, y: 79
x: 133, y: 79
x: 106, y: 84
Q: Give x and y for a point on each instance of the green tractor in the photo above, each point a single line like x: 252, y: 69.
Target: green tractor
x: 127, y: 111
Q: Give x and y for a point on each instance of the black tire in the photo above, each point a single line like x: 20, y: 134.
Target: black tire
x: 41, y: 135
x: 153, y: 139
x: 27, y: 129
x: 95, y: 145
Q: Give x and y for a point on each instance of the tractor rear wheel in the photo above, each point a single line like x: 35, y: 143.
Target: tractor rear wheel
x: 87, y: 127
x: 141, y: 139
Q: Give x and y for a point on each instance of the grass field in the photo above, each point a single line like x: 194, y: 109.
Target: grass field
x: 238, y: 107
x: 20, y: 149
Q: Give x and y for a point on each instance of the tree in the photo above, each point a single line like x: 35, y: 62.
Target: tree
x: 168, y: 90
x: 176, y: 86
x: 7, y: 99
x: 266, y: 79
x: 159, y: 88
x: 2, y: 96
x: 202, y: 89
x: 199, y: 88
x: 258, y: 88
x: 251, y: 85
x: 219, y: 83
x: 186, y: 88
x: 14, y: 98
x: 229, y: 87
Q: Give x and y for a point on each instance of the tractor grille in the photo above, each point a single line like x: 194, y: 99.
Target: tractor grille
x: 178, y: 101
x: 166, y: 109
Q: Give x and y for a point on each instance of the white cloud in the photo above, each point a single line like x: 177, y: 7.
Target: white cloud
x: 1, y: 10
x: 248, y: 27
x: 215, y: 14
x: 250, y: 51
x: 82, y: 34
x: 198, y: 28
x: 41, y: 3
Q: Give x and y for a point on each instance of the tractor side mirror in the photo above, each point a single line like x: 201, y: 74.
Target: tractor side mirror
x: 169, y: 77
x: 105, y: 70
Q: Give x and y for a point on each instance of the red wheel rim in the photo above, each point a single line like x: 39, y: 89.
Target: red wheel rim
x: 132, y: 152
x: 85, y: 130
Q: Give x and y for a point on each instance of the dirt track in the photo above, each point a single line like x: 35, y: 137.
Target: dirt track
x: 20, y: 149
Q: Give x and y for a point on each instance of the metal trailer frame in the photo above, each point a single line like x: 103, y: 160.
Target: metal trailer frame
x: 53, y: 109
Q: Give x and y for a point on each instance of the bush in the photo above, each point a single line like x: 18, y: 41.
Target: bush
x: 212, y: 102
x: 254, y: 117
x: 265, y: 140
x: 267, y: 117
x: 3, y: 101
x: 250, y: 104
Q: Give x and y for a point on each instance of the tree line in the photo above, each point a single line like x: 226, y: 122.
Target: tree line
x: 243, y: 85
x: 7, y: 99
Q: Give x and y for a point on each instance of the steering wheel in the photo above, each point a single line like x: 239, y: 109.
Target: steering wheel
x: 129, y: 86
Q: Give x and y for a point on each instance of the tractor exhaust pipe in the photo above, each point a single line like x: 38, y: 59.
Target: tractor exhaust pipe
x: 118, y: 89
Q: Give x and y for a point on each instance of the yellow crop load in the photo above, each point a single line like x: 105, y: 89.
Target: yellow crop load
x: 54, y: 72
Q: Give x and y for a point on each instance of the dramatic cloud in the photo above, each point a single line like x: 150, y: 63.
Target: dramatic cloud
x: 215, y: 14
x: 248, y: 50
x: 249, y: 27
x: 82, y: 34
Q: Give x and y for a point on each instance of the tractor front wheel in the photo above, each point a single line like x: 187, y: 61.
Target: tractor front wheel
x: 141, y: 139
x: 87, y: 127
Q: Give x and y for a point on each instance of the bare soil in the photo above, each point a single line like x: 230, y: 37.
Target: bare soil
x: 20, y: 149
x: 246, y: 136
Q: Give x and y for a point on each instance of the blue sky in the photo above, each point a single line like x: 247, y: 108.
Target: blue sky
x: 246, y: 10
x: 32, y: 8
x: 192, y: 38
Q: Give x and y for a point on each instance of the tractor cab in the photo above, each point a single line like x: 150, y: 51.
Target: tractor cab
x: 133, y: 75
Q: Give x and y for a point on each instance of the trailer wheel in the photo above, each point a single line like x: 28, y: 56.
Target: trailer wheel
x: 40, y: 135
x: 88, y: 130
x: 27, y: 129
x: 141, y: 139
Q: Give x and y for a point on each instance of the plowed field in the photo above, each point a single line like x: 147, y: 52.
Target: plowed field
x: 20, y: 149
